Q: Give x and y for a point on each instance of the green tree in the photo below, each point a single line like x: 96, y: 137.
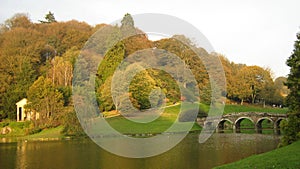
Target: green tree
x: 292, y: 126
x: 275, y: 92
x: 46, y: 100
x: 49, y: 18
x: 127, y: 21
x: 15, y: 82
x: 110, y: 62
x: 140, y: 87
x: 105, y: 98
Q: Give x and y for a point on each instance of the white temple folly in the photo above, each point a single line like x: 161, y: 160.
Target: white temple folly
x: 22, y: 114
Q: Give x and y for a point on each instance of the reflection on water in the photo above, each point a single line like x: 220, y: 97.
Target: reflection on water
x: 219, y: 149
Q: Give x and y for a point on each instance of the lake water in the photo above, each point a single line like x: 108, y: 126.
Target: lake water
x: 84, y: 154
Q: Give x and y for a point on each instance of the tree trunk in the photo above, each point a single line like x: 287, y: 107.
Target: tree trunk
x: 253, y: 100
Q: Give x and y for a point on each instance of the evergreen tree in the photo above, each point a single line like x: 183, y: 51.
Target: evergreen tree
x: 127, y: 26
x: 127, y: 21
x: 292, y: 126
x: 49, y: 18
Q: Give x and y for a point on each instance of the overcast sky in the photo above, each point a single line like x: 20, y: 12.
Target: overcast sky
x: 253, y: 32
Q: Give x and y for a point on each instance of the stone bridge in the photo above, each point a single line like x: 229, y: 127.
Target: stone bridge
x: 235, y: 120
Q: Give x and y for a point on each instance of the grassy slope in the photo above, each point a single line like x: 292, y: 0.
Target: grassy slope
x: 18, y: 128
x: 159, y: 125
x: 285, y: 157
x: 19, y: 131
x: 47, y: 133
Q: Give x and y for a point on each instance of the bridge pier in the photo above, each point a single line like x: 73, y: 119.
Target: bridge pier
x: 234, y: 128
x: 277, y: 129
x: 237, y: 128
x: 258, y: 128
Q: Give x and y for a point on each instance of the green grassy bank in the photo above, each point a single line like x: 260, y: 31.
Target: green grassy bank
x: 281, y: 158
x: 24, y: 131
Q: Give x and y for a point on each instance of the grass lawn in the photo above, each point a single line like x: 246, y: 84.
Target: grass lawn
x: 161, y: 124
x: 250, y: 108
x: 18, y: 128
x: 281, y: 158
x: 229, y: 108
x: 47, y: 133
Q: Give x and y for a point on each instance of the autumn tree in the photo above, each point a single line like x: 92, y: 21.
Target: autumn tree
x: 279, y: 84
x: 61, y: 72
x: 18, y: 20
x: 19, y: 58
x: 178, y: 45
x: 250, y: 82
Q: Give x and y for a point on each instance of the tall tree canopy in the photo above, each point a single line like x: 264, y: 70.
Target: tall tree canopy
x: 28, y: 50
x: 292, y: 127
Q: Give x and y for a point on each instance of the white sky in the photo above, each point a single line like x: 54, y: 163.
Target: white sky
x: 253, y: 32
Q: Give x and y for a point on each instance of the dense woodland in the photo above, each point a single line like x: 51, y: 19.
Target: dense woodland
x: 37, y: 61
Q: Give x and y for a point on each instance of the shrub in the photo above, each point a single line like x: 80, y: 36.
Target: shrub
x: 33, y: 130
x: 15, y: 124
x: 4, y: 124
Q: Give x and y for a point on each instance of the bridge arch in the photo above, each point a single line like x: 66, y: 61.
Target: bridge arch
x: 277, y: 122
x: 277, y: 125
x: 221, y: 124
x: 237, y: 123
x: 258, y: 124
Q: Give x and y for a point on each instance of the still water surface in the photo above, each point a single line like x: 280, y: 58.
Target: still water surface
x: 84, y: 154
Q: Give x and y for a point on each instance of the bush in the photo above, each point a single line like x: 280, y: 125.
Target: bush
x: 20, y: 125
x: 2, y: 115
x: 33, y: 130
x: 4, y: 124
x: 291, y: 130
x: 72, y: 126
x: 15, y: 124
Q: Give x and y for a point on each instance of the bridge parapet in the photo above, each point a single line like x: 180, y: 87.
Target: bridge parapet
x: 236, y: 118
